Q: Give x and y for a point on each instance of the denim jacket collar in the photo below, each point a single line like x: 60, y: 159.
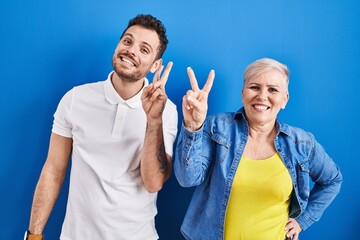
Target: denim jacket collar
x: 280, y: 127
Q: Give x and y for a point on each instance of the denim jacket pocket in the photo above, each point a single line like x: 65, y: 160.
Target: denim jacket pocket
x: 303, y: 179
x: 222, y: 146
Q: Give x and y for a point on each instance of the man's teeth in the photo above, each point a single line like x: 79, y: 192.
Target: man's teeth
x: 260, y: 107
x: 127, y: 61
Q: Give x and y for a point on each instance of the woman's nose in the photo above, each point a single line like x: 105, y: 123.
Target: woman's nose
x: 262, y: 95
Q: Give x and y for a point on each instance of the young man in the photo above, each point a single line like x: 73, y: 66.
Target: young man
x: 120, y: 133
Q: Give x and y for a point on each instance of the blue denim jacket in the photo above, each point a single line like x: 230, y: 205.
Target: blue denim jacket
x: 209, y: 157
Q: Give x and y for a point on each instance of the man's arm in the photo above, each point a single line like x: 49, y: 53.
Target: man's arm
x: 50, y: 182
x: 156, y: 165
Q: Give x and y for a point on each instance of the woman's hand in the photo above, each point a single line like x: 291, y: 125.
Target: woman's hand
x: 293, y: 229
x: 195, y: 104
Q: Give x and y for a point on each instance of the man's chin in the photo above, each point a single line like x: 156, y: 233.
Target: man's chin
x: 128, y: 77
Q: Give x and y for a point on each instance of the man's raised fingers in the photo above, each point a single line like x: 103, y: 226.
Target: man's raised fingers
x: 193, y: 82
x: 209, y: 82
x: 165, y: 75
x: 157, y: 74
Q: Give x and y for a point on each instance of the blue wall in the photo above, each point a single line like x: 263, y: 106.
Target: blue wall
x: 47, y: 47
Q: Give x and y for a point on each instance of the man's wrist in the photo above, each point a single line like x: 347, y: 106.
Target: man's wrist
x: 29, y: 236
x: 154, y: 123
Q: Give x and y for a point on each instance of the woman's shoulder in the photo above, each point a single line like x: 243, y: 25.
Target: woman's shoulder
x: 223, y: 116
x: 228, y: 117
x: 296, y: 133
x: 225, y: 123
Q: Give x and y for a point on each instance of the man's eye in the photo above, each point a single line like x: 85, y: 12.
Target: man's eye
x: 127, y: 41
x: 144, y: 50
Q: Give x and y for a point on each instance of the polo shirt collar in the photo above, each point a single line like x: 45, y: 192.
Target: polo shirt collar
x: 114, y: 98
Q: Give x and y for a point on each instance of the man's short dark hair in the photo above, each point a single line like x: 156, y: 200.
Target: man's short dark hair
x: 149, y: 22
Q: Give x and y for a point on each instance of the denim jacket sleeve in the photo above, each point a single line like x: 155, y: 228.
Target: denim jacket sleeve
x: 192, y: 157
x: 327, y: 180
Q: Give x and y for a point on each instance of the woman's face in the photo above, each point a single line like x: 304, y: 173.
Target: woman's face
x: 264, y: 96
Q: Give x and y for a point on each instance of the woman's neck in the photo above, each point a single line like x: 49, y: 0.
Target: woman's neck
x: 262, y: 132
x: 260, y: 144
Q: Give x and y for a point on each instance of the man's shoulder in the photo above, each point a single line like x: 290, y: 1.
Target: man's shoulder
x: 87, y: 89
x: 90, y: 86
x: 170, y: 106
x: 170, y: 103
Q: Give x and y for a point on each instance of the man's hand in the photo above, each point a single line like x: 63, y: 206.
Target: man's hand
x: 195, y: 104
x: 155, y: 163
x: 154, y: 96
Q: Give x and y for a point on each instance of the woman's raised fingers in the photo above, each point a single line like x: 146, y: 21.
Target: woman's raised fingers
x: 209, y: 82
x: 193, y: 82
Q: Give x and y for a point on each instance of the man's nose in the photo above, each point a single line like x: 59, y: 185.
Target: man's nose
x: 132, y: 50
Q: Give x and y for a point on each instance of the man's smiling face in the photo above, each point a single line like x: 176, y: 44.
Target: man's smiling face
x: 135, y: 54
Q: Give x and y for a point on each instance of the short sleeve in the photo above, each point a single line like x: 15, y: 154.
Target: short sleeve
x: 61, y: 124
x: 170, y: 122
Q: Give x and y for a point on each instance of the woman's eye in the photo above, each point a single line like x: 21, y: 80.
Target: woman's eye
x: 254, y: 87
x: 272, y: 90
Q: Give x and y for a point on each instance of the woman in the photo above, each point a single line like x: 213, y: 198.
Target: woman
x: 252, y: 172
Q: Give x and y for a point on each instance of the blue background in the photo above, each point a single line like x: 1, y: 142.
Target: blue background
x: 47, y: 47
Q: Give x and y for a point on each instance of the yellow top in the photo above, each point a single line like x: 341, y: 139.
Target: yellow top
x: 259, y: 201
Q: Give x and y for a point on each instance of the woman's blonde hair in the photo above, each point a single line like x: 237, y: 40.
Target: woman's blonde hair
x: 264, y: 65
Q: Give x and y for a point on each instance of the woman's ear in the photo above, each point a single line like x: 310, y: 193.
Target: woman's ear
x: 155, y: 66
x: 286, y: 99
x: 242, y: 96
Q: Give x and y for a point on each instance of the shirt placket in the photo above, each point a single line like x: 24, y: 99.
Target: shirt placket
x: 120, y: 120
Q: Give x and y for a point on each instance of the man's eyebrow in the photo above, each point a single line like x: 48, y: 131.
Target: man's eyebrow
x: 148, y: 45
x: 145, y: 43
x: 128, y: 34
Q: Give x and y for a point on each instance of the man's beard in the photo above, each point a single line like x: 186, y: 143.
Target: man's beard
x: 130, y: 77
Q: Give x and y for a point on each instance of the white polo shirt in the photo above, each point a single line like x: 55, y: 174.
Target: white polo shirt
x: 107, y: 199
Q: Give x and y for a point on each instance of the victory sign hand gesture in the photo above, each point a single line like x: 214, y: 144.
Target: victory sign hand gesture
x: 195, y: 104
x: 154, y: 97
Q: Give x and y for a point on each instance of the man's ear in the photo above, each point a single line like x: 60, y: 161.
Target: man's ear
x: 155, y: 66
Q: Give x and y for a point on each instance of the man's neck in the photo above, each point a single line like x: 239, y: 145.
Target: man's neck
x: 126, y: 89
